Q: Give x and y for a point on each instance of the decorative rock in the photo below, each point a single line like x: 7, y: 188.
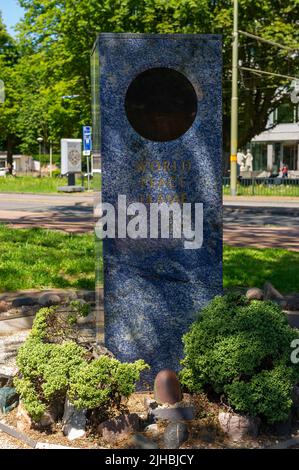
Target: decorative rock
x: 150, y: 403
x: 178, y: 413
x: 47, y: 420
x: 139, y: 441
x: 47, y: 445
x: 74, y: 421
x: 167, y: 387
x: 8, y: 399
x: 237, y: 426
x: 71, y: 296
x: 7, y: 374
x: 119, y: 428
x: 3, y: 306
x: 24, y: 422
x: 255, y: 294
x: 283, y: 428
x: 20, y: 301
x: 48, y: 299
x: 175, y: 434
x: 270, y: 293
x: 292, y: 302
x: 152, y: 429
x: 100, y: 350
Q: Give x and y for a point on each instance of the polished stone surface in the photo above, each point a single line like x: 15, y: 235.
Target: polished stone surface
x: 154, y: 288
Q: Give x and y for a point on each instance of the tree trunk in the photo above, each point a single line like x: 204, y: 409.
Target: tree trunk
x: 10, y: 146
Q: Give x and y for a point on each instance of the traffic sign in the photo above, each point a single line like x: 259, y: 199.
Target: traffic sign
x: 87, y: 140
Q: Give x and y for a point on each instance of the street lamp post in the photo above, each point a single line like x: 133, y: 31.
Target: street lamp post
x: 40, y: 139
x: 234, y: 107
x: 51, y: 158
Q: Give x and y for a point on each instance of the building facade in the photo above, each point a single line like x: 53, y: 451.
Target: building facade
x: 279, y: 144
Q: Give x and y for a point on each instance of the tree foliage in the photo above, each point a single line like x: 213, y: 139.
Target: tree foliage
x: 55, y: 39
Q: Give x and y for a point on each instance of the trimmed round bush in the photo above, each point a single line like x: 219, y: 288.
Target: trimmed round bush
x: 241, y: 349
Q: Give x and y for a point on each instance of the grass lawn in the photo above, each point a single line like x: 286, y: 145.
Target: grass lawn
x: 37, y: 258
x: 31, y: 184
x: 287, y: 190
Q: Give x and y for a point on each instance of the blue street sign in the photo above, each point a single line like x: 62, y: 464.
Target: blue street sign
x: 87, y: 140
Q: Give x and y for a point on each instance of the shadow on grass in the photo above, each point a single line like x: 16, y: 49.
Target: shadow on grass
x: 254, y: 266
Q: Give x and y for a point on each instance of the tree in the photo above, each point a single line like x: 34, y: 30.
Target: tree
x: 8, y: 114
x: 63, y: 32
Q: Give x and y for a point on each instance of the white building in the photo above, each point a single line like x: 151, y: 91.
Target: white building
x: 279, y: 144
x: 21, y: 163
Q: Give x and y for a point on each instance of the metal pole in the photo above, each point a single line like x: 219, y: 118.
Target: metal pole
x: 40, y: 153
x: 51, y: 158
x: 88, y: 173
x: 234, y: 107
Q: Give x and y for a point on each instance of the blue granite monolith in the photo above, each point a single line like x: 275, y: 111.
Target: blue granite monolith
x: 153, y: 288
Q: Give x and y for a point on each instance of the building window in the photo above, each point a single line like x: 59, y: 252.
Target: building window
x: 286, y: 113
x: 290, y: 155
x: 259, y: 152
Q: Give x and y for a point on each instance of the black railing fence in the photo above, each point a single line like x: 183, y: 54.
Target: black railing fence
x: 264, y: 186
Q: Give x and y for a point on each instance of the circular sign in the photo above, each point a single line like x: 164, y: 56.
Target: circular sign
x: 161, y: 104
x: 74, y: 157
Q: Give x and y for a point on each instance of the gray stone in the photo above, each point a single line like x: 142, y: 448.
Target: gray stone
x: 47, y: 299
x: 7, y: 374
x: 73, y: 421
x: 152, y: 429
x: 270, y: 293
x: 154, y: 287
x: 47, y: 445
x: 85, y: 320
x: 282, y: 428
x: 71, y: 296
x: 20, y: 301
x: 119, y: 428
x: 173, y: 413
x: 24, y: 421
x: 70, y: 189
x: 175, y: 434
x: 47, y: 420
x: 150, y: 404
x: 139, y: 441
x: 237, y: 426
x: 255, y: 294
x: 292, y: 302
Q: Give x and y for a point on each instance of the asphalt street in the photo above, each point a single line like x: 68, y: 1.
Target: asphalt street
x: 260, y: 222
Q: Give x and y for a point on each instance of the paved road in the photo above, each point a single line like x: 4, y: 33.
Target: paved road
x: 252, y: 222
x: 72, y: 213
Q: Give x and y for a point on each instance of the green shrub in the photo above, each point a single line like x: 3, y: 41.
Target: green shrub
x: 46, y: 370
x: 103, y: 382
x: 242, y: 349
x: 49, y: 371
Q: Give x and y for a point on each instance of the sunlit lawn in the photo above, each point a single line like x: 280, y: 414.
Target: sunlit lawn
x: 39, y: 258
x: 31, y: 184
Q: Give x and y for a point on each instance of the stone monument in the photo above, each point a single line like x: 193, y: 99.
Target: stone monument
x: 157, y: 116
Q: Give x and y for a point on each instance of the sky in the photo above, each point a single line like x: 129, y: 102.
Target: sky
x: 11, y: 14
